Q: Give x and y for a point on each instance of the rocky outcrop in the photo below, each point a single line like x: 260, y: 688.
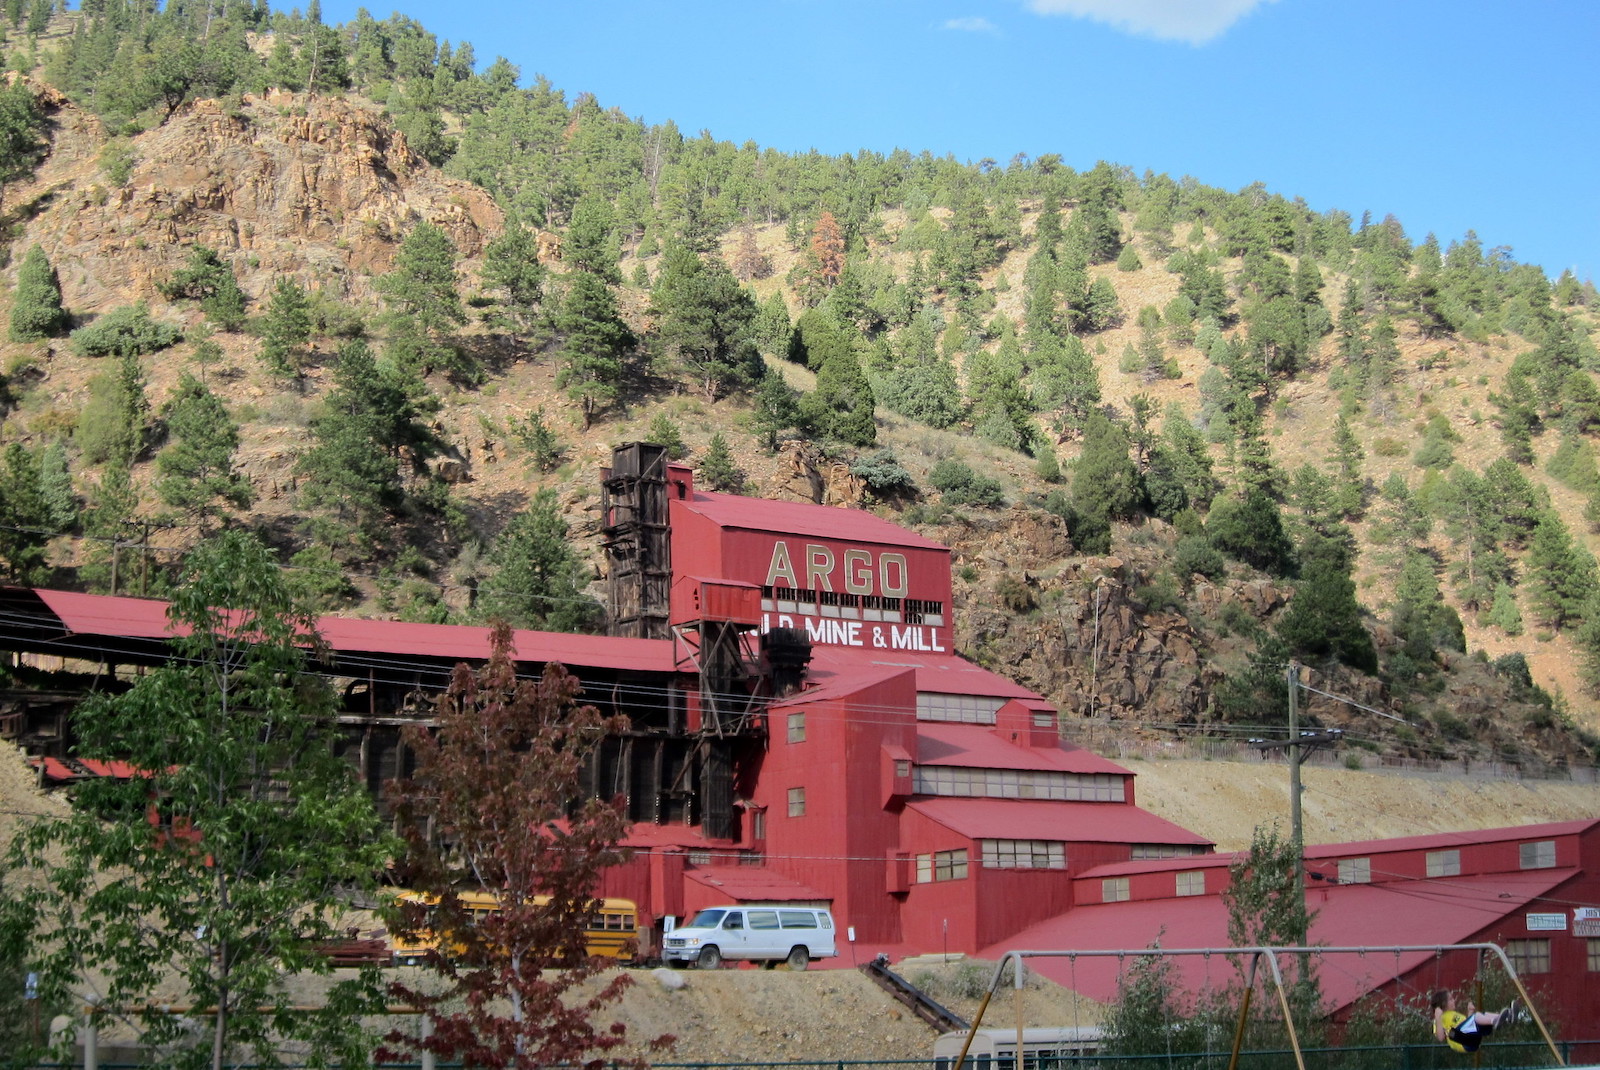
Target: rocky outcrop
x: 321, y: 190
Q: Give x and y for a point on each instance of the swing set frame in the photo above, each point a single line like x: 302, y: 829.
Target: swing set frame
x: 1017, y: 959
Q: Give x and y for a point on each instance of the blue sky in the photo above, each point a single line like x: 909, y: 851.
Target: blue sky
x: 1450, y: 114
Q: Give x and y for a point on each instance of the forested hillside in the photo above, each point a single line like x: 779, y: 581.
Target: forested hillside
x: 391, y: 306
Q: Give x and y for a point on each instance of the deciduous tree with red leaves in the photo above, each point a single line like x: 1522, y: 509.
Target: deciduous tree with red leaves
x: 494, y: 805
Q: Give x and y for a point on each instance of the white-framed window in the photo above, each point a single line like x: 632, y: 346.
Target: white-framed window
x: 972, y: 782
x: 1529, y: 956
x: 797, y: 728
x: 797, y: 802
x: 1355, y: 871
x: 1594, y: 955
x: 1114, y: 890
x: 1540, y: 854
x: 942, y: 866
x: 1191, y: 882
x: 758, y: 824
x: 902, y: 767
x: 1444, y: 863
x: 1024, y: 854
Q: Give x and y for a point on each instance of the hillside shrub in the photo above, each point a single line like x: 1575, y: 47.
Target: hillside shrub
x: 124, y: 332
x: 960, y: 485
x: 884, y: 475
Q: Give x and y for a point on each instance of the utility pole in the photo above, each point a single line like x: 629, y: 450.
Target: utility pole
x: 1297, y: 746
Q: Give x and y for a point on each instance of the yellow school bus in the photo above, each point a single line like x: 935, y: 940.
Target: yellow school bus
x: 612, y: 931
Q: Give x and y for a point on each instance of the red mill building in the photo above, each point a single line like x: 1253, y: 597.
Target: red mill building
x: 803, y: 731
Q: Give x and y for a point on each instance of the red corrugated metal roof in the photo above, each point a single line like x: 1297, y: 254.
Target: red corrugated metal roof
x: 1037, y: 819
x: 659, y: 837
x: 750, y: 884
x: 1426, y: 913
x: 144, y: 618
x: 945, y: 674
x: 1439, y: 840
x: 803, y: 518
x: 941, y: 743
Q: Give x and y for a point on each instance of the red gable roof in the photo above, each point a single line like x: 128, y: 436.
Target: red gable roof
x: 803, y: 518
x: 1033, y: 819
x: 944, y: 743
x: 1421, y: 913
x: 946, y: 674
x: 146, y: 618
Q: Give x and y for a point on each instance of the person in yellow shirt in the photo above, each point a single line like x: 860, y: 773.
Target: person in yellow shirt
x: 1464, y: 1032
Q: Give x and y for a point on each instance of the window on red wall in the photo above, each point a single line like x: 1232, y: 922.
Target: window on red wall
x: 1540, y: 854
x: 1594, y: 956
x: 797, y: 728
x: 1529, y: 956
x: 797, y: 802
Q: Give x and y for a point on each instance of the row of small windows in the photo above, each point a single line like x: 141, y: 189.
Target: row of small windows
x: 1189, y: 882
x: 848, y: 606
x: 960, y: 709
x: 1143, y: 852
x: 1533, y: 955
x: 969, y: 782
x: 1024, y: 854
x: 1540, y: 854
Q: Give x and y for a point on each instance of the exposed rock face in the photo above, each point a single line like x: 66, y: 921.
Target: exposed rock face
x: 319, y: 190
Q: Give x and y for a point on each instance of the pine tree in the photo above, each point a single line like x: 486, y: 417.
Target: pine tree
x: 25, y: 521
x: 197, y: 472
x: 824, y: 259
x: 593, y: 345
x: 538, y: 579
x: 511, y: 265
x: 207, y: 279
x: 842, y: 407
x: 286, y: 328
x: 707, y: 320
x: 776, y: 409
x: 1562, y: 575
x: 425, y: 304
x: 36, y: 311
x: 718, y: 470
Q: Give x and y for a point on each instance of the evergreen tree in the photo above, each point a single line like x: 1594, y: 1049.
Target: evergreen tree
x: 842, y: 407
x: 1324, y: 619
x: 594, y: 342
x: 1105, y: 482
x: 1250, y: 529
x: 286, y: 328
x: 776, y: 409
x: 22, y: 125
x: 511, y: 265
x: 1422, y: 620
x: 538, y: 579
x: 36, y: 311
x: 718, y: 470
x: 1561, y: 573
x: 425, y: 308
x: 197, y: 473
x: 207, y: 279
x: 707, y: 320
x: 591, y: 243
x: 25, y: 521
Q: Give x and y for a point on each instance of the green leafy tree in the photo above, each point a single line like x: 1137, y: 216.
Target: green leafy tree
x: 718, y: 470
x: 198, y: 870
x: 196, y: 468
x: 501, y: 775
x: 594, y: 343
x: 425, y: 310
x: 36, y: 311
x: 1266, y: 906
x: 1151, y: 1016
x: 537, y: 579
x: 207, y: 279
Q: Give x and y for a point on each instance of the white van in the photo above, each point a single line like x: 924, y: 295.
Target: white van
x: 769, y: 934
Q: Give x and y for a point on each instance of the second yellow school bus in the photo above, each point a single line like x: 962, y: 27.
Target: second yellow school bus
x: 612, y: 931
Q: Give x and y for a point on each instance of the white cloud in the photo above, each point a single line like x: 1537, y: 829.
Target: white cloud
x: 1194, y: 21
x: 972, y: 24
